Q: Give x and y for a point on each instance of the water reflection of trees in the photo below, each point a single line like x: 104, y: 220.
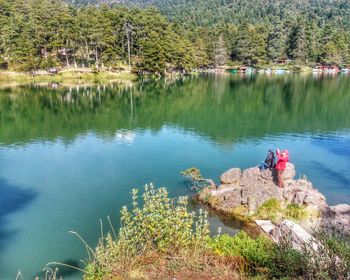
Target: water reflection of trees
x: 222, y: 108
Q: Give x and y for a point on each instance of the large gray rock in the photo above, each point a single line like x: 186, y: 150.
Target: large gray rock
x: 289, y: 172
x: 251, y: 188
x: 337, y: 216
x: 229, y: 195
x: 231, y: 176
x: 288, y: 231
x: 301, y: 192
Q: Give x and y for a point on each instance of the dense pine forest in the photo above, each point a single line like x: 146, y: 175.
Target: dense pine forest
x: 156, y: 36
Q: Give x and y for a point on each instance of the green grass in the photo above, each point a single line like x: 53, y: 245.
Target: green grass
x: 270, y: 210
x: 295, y: 212
x: 65, y: 77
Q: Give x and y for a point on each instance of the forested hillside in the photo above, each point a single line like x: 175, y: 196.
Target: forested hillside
x: 181, y: 35
x: 209, y: 12
x: 44, y: 33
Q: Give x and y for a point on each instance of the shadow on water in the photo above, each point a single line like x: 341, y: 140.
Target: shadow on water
x: 335, y: 145
x: 342, y: 180
x: 12, y: 199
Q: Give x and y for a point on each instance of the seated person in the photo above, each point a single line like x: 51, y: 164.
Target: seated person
x: 269, y: 162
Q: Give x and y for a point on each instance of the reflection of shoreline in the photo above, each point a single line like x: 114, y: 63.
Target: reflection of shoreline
x: 64, y: 84
x: 226, y: 109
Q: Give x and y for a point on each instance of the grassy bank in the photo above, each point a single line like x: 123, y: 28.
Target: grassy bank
x: 67, y: 76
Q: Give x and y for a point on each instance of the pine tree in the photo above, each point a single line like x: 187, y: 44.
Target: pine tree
x: 276, y: 42
x: 220, y: 52
x: 297, y: 48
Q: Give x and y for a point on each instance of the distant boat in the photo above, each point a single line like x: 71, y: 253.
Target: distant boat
x: 280, y: 71
x: 325, y: 69
x: 233, y: 70
x: 345, y: 70
x: 246, y: 69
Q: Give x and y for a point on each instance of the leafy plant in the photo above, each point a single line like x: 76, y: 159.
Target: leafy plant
x: 196, y: 179
x: 296, y: 212
x: 161, y: 224
x: 255, y: 251
x: 271, y: 209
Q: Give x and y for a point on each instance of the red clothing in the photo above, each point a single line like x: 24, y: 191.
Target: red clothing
x: 282, y: 161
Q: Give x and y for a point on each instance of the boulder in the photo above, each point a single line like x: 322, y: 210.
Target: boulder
x: 337, y: 216
x: 288, y: 231
x: 301, y: 192
x: 250, y: 175
x: 231, y: 176
x: 289, y: 172
x: 316, y: 199
x: 298, y: 198
x: 259, y: 192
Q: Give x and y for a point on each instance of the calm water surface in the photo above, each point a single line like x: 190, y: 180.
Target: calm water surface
x: 70, y: 156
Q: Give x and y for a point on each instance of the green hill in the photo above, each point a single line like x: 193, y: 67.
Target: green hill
x: 209, y: 12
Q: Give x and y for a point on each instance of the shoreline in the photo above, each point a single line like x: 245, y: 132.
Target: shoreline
x: 70, y: 75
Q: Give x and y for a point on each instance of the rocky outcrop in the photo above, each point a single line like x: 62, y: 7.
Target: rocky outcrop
x: 231, y: 176
x: 288, y: 231
x: 337, y: 216
x: 250, y: 188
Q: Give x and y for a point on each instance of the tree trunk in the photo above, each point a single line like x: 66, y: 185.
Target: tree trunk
x: 67, y: 58
x: 129, y: 60
x: 96, y: 58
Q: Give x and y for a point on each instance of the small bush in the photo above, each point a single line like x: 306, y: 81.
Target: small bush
x: 255, y: 251
x: 270, y: 210
x: 296, y: 212
x: 161, y: 225
x: 286, y: 262
x: 330, y: 261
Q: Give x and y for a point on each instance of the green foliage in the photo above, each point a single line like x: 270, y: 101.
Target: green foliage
x: 330, y: 261
x: 271, y: 210
x: 161, y: 224
x: 257, y: 252
x: 165, y: 227
x: 295, y: 212
x: 38, y: 34
x: 286, y: 262
x: 193, y: 173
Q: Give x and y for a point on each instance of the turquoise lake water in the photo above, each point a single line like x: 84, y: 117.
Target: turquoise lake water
x: 71, y: 155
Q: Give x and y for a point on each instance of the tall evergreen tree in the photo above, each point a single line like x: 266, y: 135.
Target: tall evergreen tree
x: 220, y: 52
x: 297, y: 48
x: 276, y: 42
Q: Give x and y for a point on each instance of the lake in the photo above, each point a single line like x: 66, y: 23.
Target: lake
x: 70, y: 155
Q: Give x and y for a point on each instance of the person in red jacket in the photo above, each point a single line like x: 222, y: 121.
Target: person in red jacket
x: 281, y: 166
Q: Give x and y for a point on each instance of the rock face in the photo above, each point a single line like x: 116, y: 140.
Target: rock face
x: 231, y: 176
x: 337, y: 216
x: 250, y: 188
x: 288, y: 231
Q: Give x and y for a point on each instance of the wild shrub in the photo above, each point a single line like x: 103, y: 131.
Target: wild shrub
x: 270, y: 210
x: 330, y: 261
x: 161, y: 223
x: 296, y: 212
x: 158, y: 224
x: 256, y: 252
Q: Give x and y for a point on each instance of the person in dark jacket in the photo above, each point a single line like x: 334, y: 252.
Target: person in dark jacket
x: 269, y: 162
